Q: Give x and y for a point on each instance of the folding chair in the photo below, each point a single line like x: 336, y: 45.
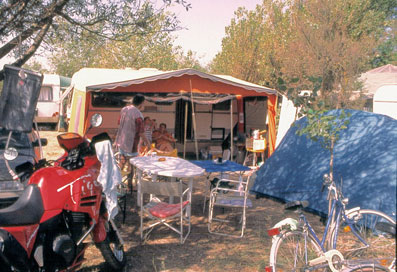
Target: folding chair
x: 224, y: 197
x: 225, y: 157
x: 158, y: 212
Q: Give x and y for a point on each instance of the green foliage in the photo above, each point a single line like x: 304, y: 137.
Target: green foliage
x: 324, y: 128
x: 27, y: 26
x: 36, y: 66
x: 154, y: 49
x: 318, y: 45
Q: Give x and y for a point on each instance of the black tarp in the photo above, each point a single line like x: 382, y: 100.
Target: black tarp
x: 18, y: 100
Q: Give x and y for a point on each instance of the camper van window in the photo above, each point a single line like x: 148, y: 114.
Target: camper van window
x: 110, y: 100
x: 222, y: 106
x: 119, y: 99
x: 45, y: 94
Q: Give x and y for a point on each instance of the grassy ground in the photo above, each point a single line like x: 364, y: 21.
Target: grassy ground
x: 202, y: 251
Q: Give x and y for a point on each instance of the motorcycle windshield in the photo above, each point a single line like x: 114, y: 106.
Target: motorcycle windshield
x: 21, y: 89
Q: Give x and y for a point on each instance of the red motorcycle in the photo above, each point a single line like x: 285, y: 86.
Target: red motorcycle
x: 63, y: 203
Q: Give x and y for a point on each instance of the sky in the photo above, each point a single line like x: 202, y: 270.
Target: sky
x: 205, y: 25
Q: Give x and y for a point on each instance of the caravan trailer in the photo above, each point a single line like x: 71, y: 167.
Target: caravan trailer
x: 169, y: 99
x: 49, y: 103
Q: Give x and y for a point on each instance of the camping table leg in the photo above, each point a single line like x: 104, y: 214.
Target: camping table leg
x: 154, y: 179
x: 189, y: 209
x: 171, y: 198
x: 139, y: 179
x: 207, y: 187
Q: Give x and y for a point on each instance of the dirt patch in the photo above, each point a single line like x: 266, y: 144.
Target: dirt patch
x: 202, y: 251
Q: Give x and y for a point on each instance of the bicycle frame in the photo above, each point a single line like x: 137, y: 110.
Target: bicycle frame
x: 328, y: 244
x: 338, y: 209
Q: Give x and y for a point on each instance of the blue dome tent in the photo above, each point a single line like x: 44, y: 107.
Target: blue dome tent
x: 365, y: 163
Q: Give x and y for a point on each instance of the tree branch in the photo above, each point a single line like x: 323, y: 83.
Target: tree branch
x: 20, y: 8
x: 35, y: 45
x: 8, y: 47
x: 47, y: 16
x: 31, y: 50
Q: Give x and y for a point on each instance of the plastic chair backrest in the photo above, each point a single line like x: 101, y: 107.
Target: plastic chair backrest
x: 161, y: 188
x: 226, y: 155
x: 250, y: 181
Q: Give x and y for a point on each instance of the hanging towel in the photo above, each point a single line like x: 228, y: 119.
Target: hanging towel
x: 109, y: 175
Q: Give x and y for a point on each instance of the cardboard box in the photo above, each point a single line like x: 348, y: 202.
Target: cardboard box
x: 215, y: 151
x: 255, y: 144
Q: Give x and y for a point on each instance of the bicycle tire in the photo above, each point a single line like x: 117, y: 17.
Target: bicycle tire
x: 376, y: 228
x: 288, y: 251
x: 367, y: 268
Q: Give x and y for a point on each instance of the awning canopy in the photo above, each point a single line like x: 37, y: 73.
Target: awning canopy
x: 150, y: 75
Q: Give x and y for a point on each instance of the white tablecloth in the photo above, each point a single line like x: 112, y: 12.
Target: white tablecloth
x: 171, y: 167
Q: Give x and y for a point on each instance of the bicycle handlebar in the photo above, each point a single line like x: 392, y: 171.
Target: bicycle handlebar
x: 327, y: 181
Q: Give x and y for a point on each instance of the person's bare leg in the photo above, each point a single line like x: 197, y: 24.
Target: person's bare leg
x: 122, y: 163
x: 130, y: 179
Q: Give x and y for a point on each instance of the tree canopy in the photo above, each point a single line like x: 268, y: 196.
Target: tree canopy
x: 28, y: 24
x: 154, y: 49
x: 317, y: 45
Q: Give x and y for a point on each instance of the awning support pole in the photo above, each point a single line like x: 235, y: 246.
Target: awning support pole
x: 231, y: 130
x: 185, y: 131
x: 194, y: 120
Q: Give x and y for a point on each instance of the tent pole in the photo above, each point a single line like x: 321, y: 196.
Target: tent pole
x: 185, y: 131
x: 194, y: 120
x: 231, y: 130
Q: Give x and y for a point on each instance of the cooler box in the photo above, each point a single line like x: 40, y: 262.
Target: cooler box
x: 255, y: 144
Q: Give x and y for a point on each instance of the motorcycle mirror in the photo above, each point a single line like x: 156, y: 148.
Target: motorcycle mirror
x: 10, y: 154
x: 96, y: 120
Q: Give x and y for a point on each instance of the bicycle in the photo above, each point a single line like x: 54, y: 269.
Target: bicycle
x: 368, y: 239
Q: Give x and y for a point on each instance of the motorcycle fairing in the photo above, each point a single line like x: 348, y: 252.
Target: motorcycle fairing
x: 75, y: 190
x: 25, y: 235
x: 99, y: 232
x: 12, y: 252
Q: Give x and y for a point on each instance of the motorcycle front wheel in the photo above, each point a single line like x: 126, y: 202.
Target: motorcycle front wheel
x: 112, y: 249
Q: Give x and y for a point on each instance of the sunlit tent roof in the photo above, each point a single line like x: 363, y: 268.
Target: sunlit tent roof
x: 365, y: 161
x: 375, y: 78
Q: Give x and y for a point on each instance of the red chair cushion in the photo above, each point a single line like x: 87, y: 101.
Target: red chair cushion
x: 164, y: 210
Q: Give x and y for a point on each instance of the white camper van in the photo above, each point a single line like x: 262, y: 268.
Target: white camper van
x: 385, y: 100
x: 49, y: 104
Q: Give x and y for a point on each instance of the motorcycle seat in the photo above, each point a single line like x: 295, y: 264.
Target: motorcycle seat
x: 27, y: 210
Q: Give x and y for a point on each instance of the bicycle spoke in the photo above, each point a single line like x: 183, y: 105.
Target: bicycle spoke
x: 291, y: 253
x: 382, y: 245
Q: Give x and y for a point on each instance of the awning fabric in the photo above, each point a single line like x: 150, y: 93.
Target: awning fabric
x: 159, y: 75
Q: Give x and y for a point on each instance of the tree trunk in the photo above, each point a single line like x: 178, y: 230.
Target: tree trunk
x: 331, y: 161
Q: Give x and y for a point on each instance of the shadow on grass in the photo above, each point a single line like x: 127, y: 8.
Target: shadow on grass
x: 201, y: 251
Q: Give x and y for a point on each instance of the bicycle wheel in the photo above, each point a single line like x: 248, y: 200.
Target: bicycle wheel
x: 288, y: 252
x: 377, y: 229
